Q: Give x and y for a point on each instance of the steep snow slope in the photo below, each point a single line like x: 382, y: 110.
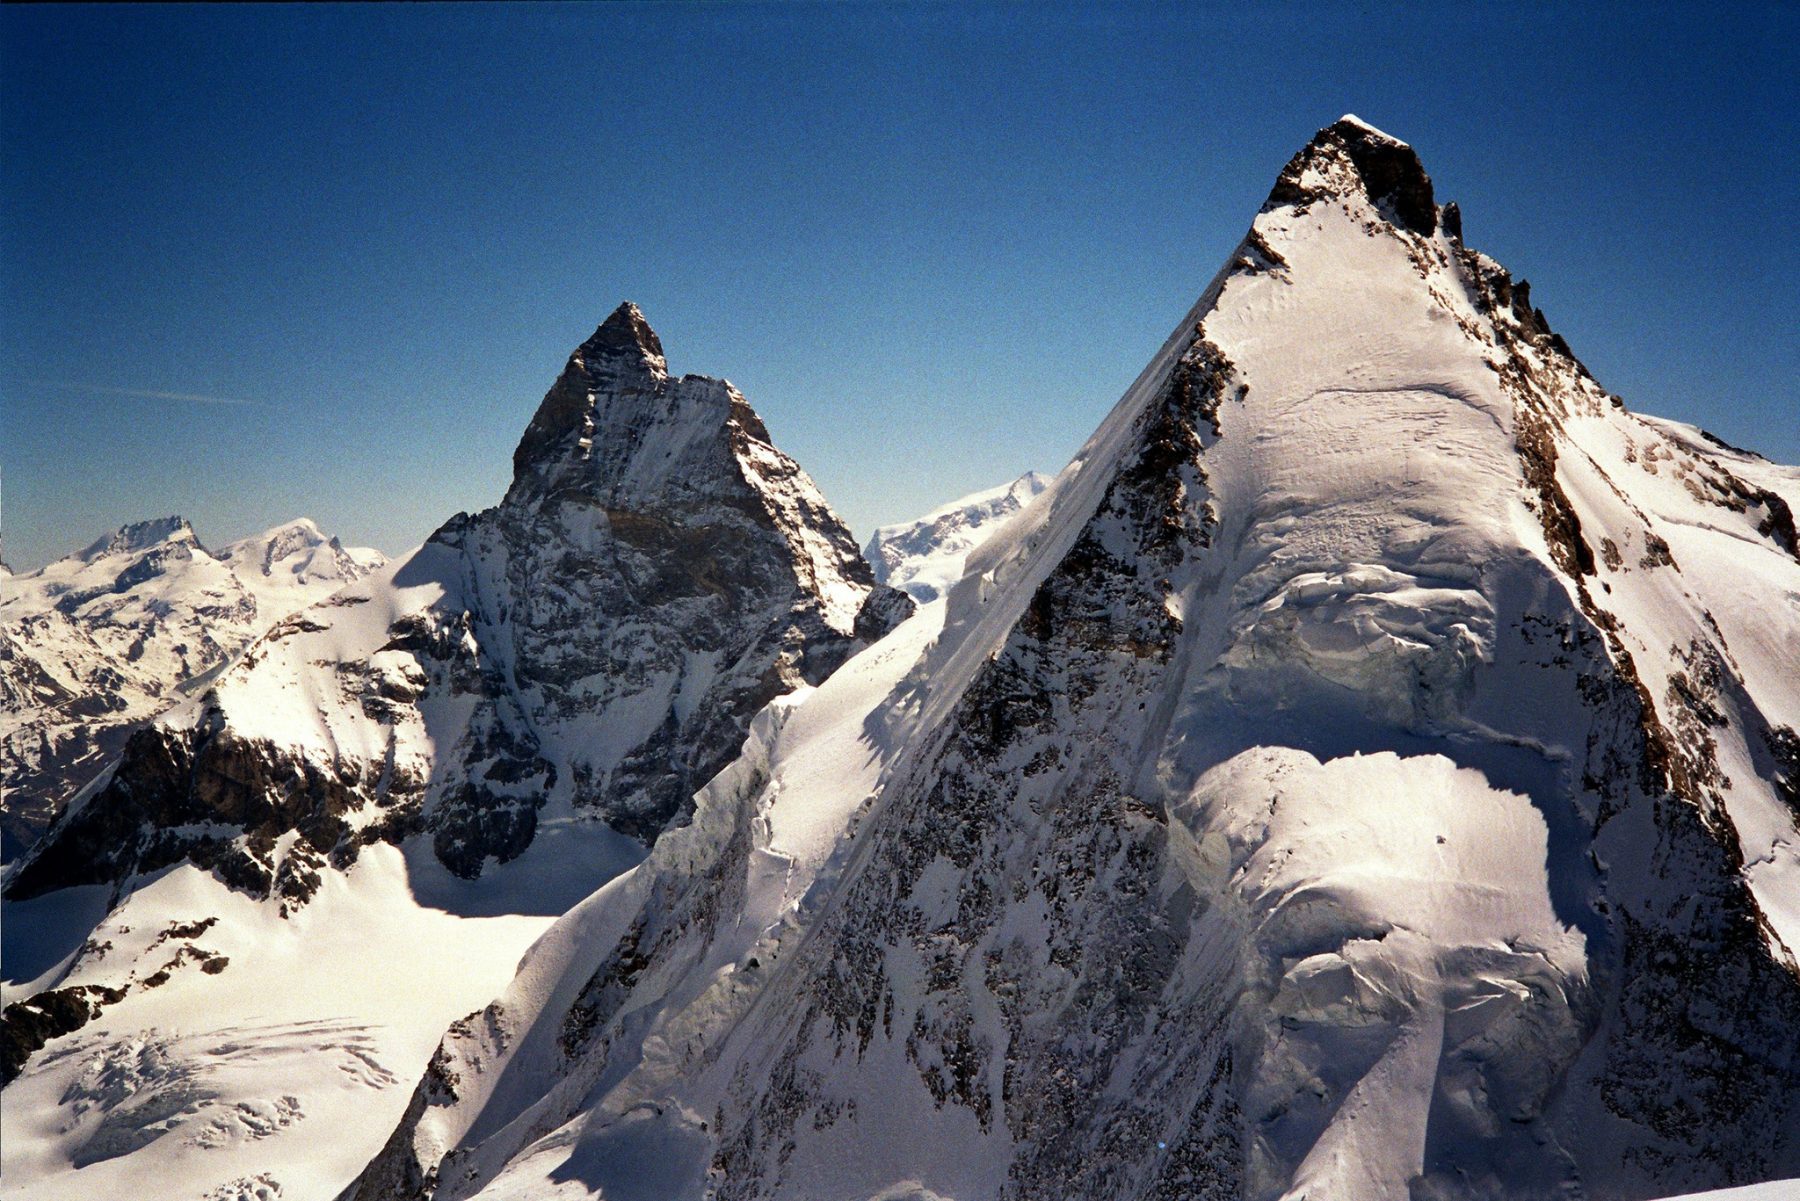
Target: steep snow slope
x: 1369, y: 771
x: 94, y: 645
x: 925, y: 556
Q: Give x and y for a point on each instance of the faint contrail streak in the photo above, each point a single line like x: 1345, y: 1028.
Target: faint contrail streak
x: 146, y: 393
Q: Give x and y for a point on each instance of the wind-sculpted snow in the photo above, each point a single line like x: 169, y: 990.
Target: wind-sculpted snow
x: 1368, y: 771
x: 95, y: 645
x: 1415, y: 992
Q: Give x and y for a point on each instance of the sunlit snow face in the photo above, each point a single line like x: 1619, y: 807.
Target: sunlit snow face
x: 1410, y: 991
x: 1368, y: 474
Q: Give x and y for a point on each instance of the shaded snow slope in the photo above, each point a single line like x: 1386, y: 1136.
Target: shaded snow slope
x: 1368, y: 771
x: 94, y: 645
x: 925, y: 556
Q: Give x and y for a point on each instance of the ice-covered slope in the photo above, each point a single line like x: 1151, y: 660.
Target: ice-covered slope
x: 1368, y: 772
x: 925, y: 556
x: 94, y: 645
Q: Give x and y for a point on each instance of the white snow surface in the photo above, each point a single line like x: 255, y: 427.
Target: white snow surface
x: 925, y: 556
x: 107, y: 638
x: 291, y: 1061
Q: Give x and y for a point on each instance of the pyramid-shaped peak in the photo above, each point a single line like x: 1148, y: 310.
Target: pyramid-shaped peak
x: 624, y: 333
x: 623, y: 348
x: 1352, y: 154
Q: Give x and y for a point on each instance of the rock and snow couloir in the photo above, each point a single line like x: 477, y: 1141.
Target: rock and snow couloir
x: 96, y: 644
x: 1369, y: 771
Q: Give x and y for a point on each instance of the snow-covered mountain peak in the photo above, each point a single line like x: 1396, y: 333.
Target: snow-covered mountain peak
x: 1352, y: 159
x: 925, y: 556
x: 620, y: 437
x: 594, y: 646
x: 298, y: 551
x: 1367, y: 771
x: 140, y: 536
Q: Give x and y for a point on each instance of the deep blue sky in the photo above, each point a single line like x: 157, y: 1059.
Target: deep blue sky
x: 931, y: 244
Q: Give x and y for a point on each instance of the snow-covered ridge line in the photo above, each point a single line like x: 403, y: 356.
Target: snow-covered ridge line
x: 98, y: 643
x: 1302, y: 797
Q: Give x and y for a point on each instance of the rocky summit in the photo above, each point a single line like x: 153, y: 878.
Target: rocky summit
x: 594, y: 645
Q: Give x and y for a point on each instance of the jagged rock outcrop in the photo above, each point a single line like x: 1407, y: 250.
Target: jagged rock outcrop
x: 95, y: 645
x: 596, y: 644
x: 1360, y: 778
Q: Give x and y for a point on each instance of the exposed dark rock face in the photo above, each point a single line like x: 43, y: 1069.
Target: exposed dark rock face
x: 1029, y: 808
x: 1387, y: 171
x: 656, y: 574
x: 246, y: 793
x: 29, y: 1024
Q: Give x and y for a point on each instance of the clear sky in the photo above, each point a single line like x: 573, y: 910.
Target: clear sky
x: 258, y: 263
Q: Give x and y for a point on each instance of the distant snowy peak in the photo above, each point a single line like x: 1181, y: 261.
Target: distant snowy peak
x: 298, y: 548
x: 95, y: 644
x: 140, y: 536
x: 925, y: 556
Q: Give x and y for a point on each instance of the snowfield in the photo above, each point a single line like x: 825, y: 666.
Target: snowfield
x: 272, y: 1048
